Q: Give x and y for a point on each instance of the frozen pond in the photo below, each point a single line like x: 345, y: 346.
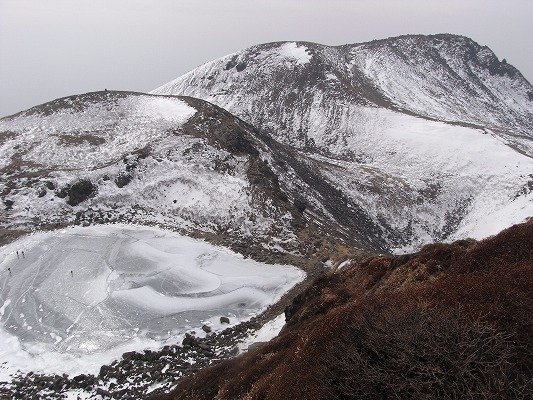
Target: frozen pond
x: 81, y: 293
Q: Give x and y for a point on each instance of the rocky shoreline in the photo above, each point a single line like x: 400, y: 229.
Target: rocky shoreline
x: 137, y: 374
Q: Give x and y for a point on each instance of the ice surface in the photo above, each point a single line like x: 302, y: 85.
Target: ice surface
x: 80, y: 297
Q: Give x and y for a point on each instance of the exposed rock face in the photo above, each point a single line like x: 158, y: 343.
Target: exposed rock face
x: 452, y: 320
x: 79, y: 192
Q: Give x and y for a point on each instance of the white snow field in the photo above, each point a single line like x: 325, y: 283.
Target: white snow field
x: 80, y: 297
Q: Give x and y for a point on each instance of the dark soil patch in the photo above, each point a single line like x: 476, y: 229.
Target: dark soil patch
x: 74, y: 140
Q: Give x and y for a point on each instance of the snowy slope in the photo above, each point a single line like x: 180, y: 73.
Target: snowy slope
x: 126, y: 157
x: 179, y: 163
x: 92, y: 133
x: 449, y: 78
x: 424, y: 181
x: 370, y: 116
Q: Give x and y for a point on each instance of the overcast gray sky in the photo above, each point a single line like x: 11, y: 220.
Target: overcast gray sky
x: 56, y: 48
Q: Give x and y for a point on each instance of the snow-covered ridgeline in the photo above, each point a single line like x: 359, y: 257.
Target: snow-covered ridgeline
x: 417, y: 175
x: 141, y: 163
x: 444, y: 77
x: 99, y: 133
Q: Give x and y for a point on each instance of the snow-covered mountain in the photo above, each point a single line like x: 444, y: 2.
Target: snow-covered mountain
x: 380, y: 146
x: 310, y: 94
x: 431, y: 136
x: 291, y: 152
x: 179, y: 163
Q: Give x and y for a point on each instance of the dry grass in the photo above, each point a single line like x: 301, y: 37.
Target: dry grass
x: 453, y: 321
x: 418, y: 351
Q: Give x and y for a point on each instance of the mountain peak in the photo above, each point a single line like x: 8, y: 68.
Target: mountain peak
x: 412, y: 109
x: 442, y: 77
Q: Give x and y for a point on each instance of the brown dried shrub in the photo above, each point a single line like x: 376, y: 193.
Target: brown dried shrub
x: 373, y: 331
x: 417, y: 351
x: 512, y: 246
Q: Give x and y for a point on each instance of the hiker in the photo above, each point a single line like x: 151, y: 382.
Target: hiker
x: 71, y: 273
x: 9, y: 270
x: 17, y: 254
x: 22, y: 253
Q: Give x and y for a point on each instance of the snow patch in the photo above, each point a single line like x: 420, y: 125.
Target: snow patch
x: 267, y: 332
x: 296, y: 52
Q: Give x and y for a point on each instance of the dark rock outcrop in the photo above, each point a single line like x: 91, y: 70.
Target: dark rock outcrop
x: 80, y: 191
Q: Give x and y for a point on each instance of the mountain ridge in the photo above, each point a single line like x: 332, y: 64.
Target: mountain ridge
x: 355, y: 66
x: 307, y: 155
x: 117, y: 157
x: 378, y: 108
x: 385, y: 178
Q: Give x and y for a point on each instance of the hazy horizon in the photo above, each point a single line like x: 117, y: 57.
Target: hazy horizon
x: 59, y: 48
